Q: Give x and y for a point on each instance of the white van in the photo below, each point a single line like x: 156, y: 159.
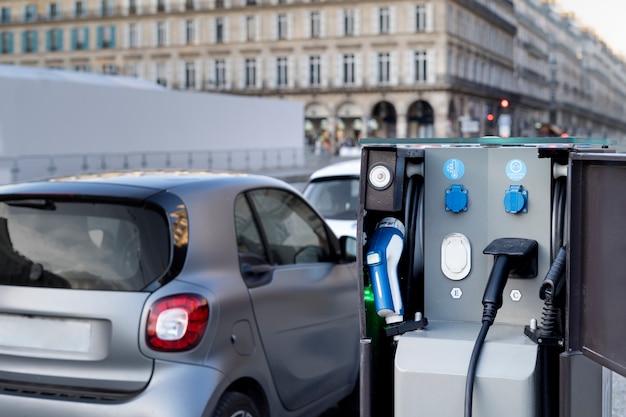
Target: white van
x: 334, y: 192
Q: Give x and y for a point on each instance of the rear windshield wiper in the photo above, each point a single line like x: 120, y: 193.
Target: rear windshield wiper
x: 41, y: 204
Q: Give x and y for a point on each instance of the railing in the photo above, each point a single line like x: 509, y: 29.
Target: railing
x: 269, y: 161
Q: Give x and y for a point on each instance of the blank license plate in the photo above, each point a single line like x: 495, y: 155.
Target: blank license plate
x: 44, y: 333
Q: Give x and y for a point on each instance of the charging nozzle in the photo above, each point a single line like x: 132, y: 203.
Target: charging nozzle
x: 512, y: 255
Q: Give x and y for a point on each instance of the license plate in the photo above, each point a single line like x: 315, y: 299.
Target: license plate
x: 44, y: 333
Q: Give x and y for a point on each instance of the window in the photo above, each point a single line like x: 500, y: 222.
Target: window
x: 220, y: 73
x: 383, y: 20
x: 160, y: 35
x: 316, y: 29
x: 106, y: 37
x: 5, y: 15
x: 106, y: 8
x: 53, y: 11
x: 132, y: 35
x: 315, y: 71
x: 6, y: 43
x: 30, y: 13
x: 250, y: 69
x: 421, y: 66
x: 250, y: 2
x: 29, y: 41
x: 348, y: 69
x: 383, y: 67
x: 132, y: 6
x: 80, y: 38
x: 219, y: 4
x: 54, y: 39
x: 160, y: 5
x: 190, y: 31
x: 79, y: 9
x: 282, y: 26
x: 190, y: 74
x: 348, y: 22
x: 189, y: 5
x: 160, y: 74
x: 110, y: 69
x: 282, y: 71
x: 250, y: 28
x: 132, y: 69
x: 249, y: 242
x: 219, y: 30
x: 293, y: 232
x: 81, y: 68
x: 420, y: 18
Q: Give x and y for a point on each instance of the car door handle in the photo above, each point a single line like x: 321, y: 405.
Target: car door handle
x: 255, y: 269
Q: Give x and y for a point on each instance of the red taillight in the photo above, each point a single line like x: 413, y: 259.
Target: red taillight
x: 177, y: 323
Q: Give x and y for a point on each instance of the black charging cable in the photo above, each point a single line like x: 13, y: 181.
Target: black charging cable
x: 508, y: 252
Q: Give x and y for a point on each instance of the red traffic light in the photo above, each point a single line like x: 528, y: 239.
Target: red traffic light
x: 490, y: 117
x: 504, y: 103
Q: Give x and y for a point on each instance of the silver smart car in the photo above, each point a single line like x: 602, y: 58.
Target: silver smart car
x: 172, y: 294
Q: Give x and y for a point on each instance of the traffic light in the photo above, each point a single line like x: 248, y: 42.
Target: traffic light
x: 490, y: 117
x: 504, y: 103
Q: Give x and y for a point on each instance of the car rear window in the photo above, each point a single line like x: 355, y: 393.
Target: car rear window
x: 93, y: 246
x: 336, y: 199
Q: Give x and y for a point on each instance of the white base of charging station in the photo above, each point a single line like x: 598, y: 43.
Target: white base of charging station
x: 431, y: 367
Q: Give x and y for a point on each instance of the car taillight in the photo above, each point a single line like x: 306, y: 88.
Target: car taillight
x: 177, y: 323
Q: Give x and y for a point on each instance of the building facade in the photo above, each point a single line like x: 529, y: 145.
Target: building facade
x: 399, y: 68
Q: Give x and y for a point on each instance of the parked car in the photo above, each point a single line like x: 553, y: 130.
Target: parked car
x: 172, y: 294
x: 334, y: 191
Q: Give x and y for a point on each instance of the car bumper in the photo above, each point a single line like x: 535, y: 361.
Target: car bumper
x: 175, y: 390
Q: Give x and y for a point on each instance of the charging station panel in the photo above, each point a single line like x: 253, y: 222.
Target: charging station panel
x: 486, y: 175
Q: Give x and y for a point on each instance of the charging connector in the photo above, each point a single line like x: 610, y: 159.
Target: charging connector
x: 512, y: 255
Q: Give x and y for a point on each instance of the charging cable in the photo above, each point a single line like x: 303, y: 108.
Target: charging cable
x: 509, y: 254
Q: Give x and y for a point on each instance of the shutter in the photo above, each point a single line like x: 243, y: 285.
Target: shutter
x: 430, y: 17
x: 126, y: 36
x: 338, y: 70
x: 373, y: 73
x: 10, y: 42
x: 394, y: 76
x: 241, y: 73
x: 140, y: 29
x: 358, y: 68
x: 375, y: 26
x: 259, y: 72
x: 306, y: 25
x: 212, y: 27
x: 210, y: 78
x: 242, y: 29
x: 198, y: 74
x: 289, y: 26
x: 357, y: 22
x: 411, y: 16
x: 409, y: 67
x: 323, y: 24
x: 274, y: 28
x: 59, y: 35
x: 304, y: 71
x: 431, y: 66
x: 271, y: 72
x: 35, y: 41
x: 393, y: 20
x: 48, y: 39
x: 226, y: 29
x: 227, y: 74
x: 86, y: 32
x: 24, y: 42
x: 339, y: 27
x: 324, y: 70
x: 73, y: 39
x: 291, y: 71
x: 112, y: 36
x: 257, y: 27
x: 182, y: 31
x: 99, y: 38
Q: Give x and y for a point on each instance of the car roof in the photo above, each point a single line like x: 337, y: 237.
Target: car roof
x: 338, y: 169
x: 133, y: 184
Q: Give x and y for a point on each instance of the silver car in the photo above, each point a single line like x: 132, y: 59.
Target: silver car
x: 172, y: 294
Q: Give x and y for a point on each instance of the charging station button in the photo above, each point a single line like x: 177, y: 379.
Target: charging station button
x: 456, y: 256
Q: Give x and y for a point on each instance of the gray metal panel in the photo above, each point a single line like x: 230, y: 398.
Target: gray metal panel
x: 485, y: 220
x: 431, y: 368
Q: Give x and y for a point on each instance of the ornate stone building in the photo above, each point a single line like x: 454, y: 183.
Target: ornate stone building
x: 398, y: 68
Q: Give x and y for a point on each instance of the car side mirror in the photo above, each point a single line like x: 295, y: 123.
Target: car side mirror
x: 348, y: 248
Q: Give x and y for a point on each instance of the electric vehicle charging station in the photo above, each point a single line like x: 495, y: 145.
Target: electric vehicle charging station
x: 477, y: 279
